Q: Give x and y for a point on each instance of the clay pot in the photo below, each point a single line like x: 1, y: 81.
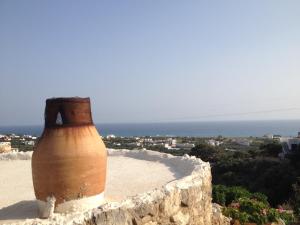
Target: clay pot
x: 69, y: 160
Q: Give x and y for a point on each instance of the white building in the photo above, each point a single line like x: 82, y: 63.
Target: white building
x: 110, y: 136
x: 213, y: 142
x: 173, y: 143
x: 269, y: 136
x: 167, y: 146
x: 185, y: 145
x: 289, y: 144
x: 242, y: 141
x: 27, y: 136
x: 148, y: 140
x: 29, y: 143
x: 277, y: 137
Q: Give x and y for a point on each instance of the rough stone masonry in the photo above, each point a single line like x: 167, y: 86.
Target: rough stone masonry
x: 181, y: 202
x: 186, y: 200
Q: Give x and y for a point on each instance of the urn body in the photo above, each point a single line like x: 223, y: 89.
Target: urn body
x: 69, y: 160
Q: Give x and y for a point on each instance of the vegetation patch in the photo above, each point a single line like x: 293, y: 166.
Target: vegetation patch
x: 239, y: 204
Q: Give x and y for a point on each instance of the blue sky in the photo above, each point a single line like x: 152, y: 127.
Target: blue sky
x: 151, y: 61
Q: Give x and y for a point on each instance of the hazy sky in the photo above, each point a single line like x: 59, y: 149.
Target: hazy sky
x: 144, y: 61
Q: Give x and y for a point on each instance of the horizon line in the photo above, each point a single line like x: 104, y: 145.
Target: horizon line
x: 168, y: 122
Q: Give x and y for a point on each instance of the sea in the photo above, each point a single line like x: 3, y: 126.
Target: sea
x: 192, y: 129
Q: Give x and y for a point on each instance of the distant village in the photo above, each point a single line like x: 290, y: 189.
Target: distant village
x: 13, y: 142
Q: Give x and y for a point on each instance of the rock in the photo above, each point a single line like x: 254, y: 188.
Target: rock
x: 218, y: 218
x: 151, y: 223
x: 114, y: 217
x: 180, y: 218
x: 170, y: 203
x: 146, y: 219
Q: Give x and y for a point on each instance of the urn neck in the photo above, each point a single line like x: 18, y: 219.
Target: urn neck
x: 62, y: 112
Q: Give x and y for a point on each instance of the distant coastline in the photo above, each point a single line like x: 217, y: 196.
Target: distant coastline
x: 201, y: 129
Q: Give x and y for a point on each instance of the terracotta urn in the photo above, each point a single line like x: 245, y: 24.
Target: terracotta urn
x: 69, y: 160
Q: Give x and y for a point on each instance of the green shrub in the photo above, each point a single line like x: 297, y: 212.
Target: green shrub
x: 219, y: 194
x: 260, y: 197
x: 258, y: 211
x: 244, y: 206
x: 273, y: 215
x: 243, y: 217
x: 224, y: 195
x: 288, y: 218
x: 234, y: 193
x: 296, y: 197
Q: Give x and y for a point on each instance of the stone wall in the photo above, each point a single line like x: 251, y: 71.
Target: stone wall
x: 181, y: 202
x: 217, y: 217
x: 5, y: 147
x: 187, y: 200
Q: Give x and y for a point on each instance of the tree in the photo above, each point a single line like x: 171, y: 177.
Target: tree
x: 271, y: 149
x: 296, y: 197
x: 206, y: 152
